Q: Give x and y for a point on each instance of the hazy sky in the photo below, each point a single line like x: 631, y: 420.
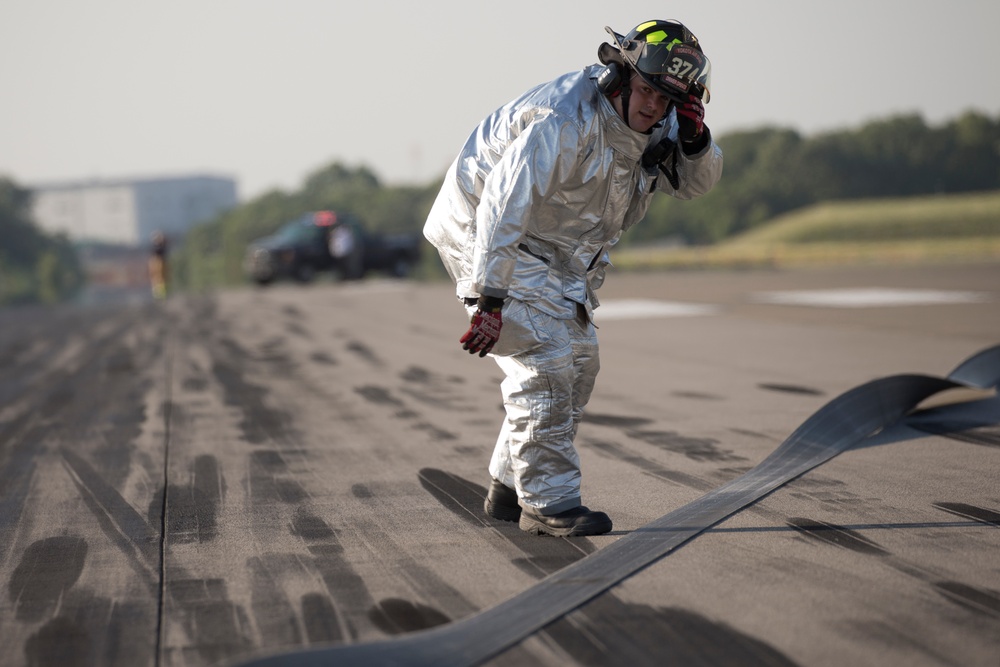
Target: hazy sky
x: 267, y: 91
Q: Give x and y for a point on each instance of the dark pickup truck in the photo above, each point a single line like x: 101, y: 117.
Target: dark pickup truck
x: 329, y: 241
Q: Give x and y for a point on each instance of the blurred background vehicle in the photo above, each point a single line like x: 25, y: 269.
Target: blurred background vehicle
x: 329, y: 241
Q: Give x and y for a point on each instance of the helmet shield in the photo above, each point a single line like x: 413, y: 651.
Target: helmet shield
x: 674, y: 68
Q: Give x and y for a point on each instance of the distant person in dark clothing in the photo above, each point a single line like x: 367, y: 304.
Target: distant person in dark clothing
x: 159, y: 270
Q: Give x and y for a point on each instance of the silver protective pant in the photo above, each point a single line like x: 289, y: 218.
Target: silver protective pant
x: 550, y: 366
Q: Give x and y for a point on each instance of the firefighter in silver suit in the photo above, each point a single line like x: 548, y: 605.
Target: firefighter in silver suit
x: 524, y: 221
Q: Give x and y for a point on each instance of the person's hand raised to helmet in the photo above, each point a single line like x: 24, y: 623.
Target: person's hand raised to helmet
x: 691, y: 121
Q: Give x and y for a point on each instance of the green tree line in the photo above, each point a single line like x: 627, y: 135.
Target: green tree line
x: 34, y: 267
x: 768, y: 171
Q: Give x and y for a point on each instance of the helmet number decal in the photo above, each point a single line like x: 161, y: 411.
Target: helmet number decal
x: 685, y: 66
x: 682, y: 68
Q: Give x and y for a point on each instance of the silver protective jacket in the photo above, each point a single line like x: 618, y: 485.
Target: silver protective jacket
x: 544, y: 187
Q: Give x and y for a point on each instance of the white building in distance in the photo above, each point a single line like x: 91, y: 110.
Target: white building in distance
x: 129, y: 211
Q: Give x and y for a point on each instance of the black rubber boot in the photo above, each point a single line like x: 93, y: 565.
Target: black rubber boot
x: 501, y: 502
x: 576, y: 522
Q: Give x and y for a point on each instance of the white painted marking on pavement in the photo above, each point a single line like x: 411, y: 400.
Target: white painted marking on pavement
x: 627, y: 309
x: 868, y: 297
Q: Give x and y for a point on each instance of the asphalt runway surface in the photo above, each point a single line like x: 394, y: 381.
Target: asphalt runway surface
x: 282, y: 474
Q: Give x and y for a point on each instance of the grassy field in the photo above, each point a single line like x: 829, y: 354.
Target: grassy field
x: 937, y: 229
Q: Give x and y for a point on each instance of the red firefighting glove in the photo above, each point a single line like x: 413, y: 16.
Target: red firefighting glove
x: 485, y: 328
x: 690, y: 119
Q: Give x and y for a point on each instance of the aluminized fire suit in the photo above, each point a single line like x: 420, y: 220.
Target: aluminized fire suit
x: 528, y: 211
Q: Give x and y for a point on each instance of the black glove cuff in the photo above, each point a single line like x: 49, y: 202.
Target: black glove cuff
x: 699, y: 144
x: 490, y: 304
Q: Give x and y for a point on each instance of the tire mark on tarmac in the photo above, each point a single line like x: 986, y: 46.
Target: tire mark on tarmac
x: 65, y: 420
x: 395, y: 615
x: 982, y: 514
x: 51, y: 410
x: 790, y: 389
x: 380, y: 396
x: 646, y: 465
x: 610, y: 632
x: 121, y: 523
x: 286, y: 589
x: 986, y: 436
x: 840, y: 425
x: 47, y: 570
x: 285, y: 610
x: 697, y: 449
x: 978, y: 600
x: 607, y: 630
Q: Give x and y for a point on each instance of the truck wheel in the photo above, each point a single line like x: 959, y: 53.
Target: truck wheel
x: 304, y: 273
x: 401, y: 267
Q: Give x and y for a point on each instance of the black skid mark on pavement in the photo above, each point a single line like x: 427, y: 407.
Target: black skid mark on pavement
x: 831, y: 492
x: 752, y: 434
x: 282, y: 616
x: 608, y: 631
x: 323, y: 614
x: 208, y: 478
x: 648, y: 466
x: 790, y: 389
x: 543, y: 565
x: 310, y: 527
x: 322, y: 357
x: 458, y: 495
x: 194, y: 384
x: 119, y: 361
x: 271, y: 480
x: 987, y: 436
x: 615, y: 421
x: 981, y: 514
x: 260, y: 422
x: 396, y: 617
x: 297, y: 329
x: 383, y: 397
x: 15, y: 483
x: 123, y: 525
x: 122, y: 428
x: 273, y: 612
x: 91, y: 629
x: 217, y: 627
x: 417, y: 375
x: 979, y: 600
x: 436, y: 433
x: 58, y: 399
x: 320, y: 619
x: 192, y: 508
x: 836, y: 535
x: 361, y: 491
x: 47, y: 569
x: 272, y: 352
x: 61, y: 641
x: 434, y: 389
x: 697, y: 449
x: 697, y: 395
x: 347, y: 589
x: 378, y: 395
x: 364, y: 352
